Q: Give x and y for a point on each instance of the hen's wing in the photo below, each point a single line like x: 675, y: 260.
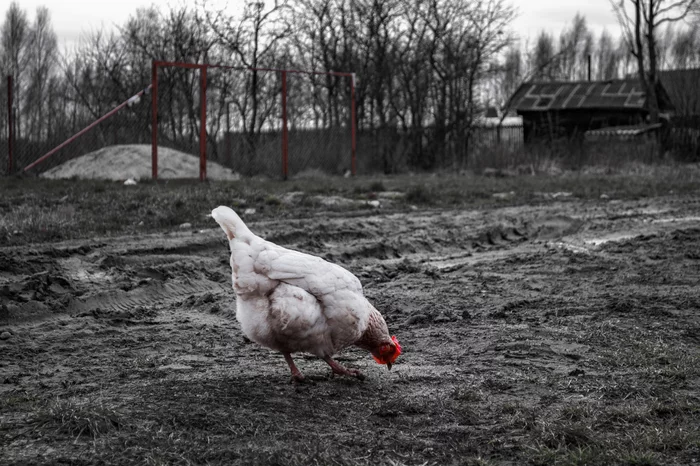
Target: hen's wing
x: 339, y: 293
x: 252, y: 255
x: 310, y: 273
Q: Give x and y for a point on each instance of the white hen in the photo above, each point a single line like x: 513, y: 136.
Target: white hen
x: 290, y: 301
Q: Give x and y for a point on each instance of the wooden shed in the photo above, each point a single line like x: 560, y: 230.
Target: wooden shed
x: 554, y: 110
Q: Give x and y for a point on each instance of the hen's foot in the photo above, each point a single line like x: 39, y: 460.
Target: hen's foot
x: 297, y: 376
x: 340, y: 370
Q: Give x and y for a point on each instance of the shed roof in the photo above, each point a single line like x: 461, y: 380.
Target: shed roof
x: 626, y: 94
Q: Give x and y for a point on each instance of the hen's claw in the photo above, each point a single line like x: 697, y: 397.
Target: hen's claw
x: 340, y: 370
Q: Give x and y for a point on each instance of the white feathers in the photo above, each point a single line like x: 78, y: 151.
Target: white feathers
x: 290, y: 301
x: 229, y: 221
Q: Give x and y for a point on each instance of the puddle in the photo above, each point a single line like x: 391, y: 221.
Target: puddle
x: 676, y: 220
x: 609, y: 238
x: 87, y: 276
x: 571, y: 247
x: 643, y: 211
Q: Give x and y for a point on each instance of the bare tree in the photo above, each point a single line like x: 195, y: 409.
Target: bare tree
x: 575, y: 44
x: 254, y: 40
x: 318, y: 39
x: 489, y: 22
x: 414, y: 82
x: 640, y: 21
x: 377, y: 36
x: 542, y: 59
x: 178, y: 35
x: 685, y: 50
x: 607, y: 57
x: 14, y: 41
x: 42, y: 54
x: 506, y: 76
x: 513, y: 71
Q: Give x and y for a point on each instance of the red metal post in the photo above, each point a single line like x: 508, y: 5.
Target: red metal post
x: 10, y: 125
x: 285, y: 132
x: 154, y: 120
x: 203, y: 124
x: 353, y: 128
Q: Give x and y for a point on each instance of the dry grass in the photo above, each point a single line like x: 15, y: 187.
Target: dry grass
x: 45, y: 210
x: 43, y: 223
x: 555, y: 158
x: 77, y: 418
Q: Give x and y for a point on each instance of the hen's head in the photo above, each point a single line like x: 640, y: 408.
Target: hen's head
x: 387, y: 352
x: 376, y: 340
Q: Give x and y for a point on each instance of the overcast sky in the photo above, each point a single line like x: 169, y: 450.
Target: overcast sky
x: 73, y: 17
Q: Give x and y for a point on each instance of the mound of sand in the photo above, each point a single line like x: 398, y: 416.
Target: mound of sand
x: 122, y: 162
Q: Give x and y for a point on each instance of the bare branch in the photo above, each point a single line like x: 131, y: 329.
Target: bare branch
x: 686, y: 5
x: 625, y: 21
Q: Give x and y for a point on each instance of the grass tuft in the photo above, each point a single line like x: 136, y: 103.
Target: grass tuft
x: 78, y: 419
x: 377, y: 186
x: 418, y: 194
x: 37, y: 221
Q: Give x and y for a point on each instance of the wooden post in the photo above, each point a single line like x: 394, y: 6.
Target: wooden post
x: 589, y: 67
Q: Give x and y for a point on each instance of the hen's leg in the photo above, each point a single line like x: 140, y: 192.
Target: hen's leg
x: 297, y: 376
x: 338, y: 369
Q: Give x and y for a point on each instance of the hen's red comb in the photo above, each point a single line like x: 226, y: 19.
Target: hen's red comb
x: 396, y: 342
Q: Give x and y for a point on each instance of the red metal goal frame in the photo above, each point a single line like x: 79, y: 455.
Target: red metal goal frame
x: 203, y: 112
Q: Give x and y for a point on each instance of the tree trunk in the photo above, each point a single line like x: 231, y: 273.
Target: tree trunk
x: 652, y: 97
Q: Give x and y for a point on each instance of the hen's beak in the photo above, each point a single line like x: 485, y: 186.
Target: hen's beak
x: 388, y: 365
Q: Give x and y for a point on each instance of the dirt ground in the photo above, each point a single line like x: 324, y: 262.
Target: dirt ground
x: 566, y: 332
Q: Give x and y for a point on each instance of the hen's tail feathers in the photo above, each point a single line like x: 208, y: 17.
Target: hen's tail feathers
x: 229, y: 221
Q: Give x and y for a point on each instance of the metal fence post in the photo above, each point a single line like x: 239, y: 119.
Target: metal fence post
x: 353, y: 128
x: 203, y: 123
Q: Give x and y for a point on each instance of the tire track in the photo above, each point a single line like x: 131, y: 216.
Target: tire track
x: 156, y: 293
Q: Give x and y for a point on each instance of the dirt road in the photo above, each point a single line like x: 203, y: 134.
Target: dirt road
x: 560, y: 333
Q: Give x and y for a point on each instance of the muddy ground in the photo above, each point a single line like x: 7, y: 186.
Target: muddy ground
x: 566, y: 332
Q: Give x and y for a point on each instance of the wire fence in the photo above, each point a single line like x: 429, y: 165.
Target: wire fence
x: 245, y: 119
x: 244, y: 127
x: 395, y: 150
x: 684, y: 137
x: 244, y: 123
x: 320, y: 123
